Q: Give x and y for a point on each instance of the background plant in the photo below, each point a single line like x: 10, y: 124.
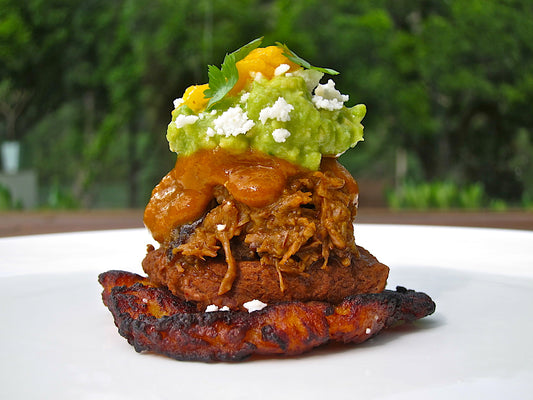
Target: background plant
x: 448, y: 86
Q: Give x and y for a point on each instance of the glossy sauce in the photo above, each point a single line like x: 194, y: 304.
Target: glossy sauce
x: 184, y: 194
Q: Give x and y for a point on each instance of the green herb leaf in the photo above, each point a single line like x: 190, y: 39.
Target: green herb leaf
x: 247, y: 48
x: 222, y: 80
x: 291, y: 55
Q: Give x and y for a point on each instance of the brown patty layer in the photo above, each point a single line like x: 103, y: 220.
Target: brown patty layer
x: 200, y: 282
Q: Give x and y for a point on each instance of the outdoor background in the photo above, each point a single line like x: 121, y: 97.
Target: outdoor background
x: 87, y: 86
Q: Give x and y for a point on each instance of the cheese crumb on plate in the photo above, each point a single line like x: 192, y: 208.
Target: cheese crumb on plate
x: 254, y: 305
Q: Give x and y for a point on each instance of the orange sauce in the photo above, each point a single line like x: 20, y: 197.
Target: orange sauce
x: 183, y: 195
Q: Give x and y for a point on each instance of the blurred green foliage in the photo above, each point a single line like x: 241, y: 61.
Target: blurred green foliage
x: 60, y: 199
x: 448, y: 83
x: 6, y: 200
x: 442, y: 195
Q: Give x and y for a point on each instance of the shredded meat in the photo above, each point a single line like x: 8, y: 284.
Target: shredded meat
x: 312, y: 220
x: 299, y: 247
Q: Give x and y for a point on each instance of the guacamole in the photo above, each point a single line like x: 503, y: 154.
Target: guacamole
x: 290, y: 115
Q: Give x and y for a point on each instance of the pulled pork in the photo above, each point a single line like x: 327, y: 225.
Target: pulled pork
x: 311, y: 222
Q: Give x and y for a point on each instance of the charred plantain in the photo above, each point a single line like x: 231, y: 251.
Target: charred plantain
x: 153, y: 319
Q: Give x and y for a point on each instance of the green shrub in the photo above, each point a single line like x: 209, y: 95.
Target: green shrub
x: 5, y: 198
x: 59, y: 199
x: 498, y: 205
x: 471, y: 196
x: 7, y: 202
x: 440, y: 195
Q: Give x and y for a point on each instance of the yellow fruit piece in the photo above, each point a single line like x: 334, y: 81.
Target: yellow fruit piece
x: 264, y: 60
x: 194, y: 97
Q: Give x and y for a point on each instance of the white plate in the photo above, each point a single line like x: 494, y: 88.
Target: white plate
x: 59, y: 341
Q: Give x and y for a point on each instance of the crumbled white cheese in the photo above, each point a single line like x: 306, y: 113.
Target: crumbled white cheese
x: 254, y: 305
x: 244, y: 97
x: 221, y: 227
x: 280, y: 135
x: 256, y: 76
x: 281, y: 69
x: 279, y: 111
x: 327, y: 104
x: 234, y: 121
x: 178, y: 102
x: 210, y: 132
x: 329, y: 92
x: 329, y: 98
x: 182, y: 120
x: 214, y: 308
x: 368, y: 331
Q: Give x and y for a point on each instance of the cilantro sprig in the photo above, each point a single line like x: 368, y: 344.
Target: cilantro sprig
x: 291, y: 55
x: 222, y: 80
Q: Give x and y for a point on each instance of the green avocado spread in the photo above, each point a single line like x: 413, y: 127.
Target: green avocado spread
x: 291, y: 116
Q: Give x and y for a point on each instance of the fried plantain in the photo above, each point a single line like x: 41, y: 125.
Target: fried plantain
x: 152, y: 319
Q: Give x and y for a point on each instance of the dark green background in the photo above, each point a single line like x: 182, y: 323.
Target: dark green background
x: 448, y: 86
